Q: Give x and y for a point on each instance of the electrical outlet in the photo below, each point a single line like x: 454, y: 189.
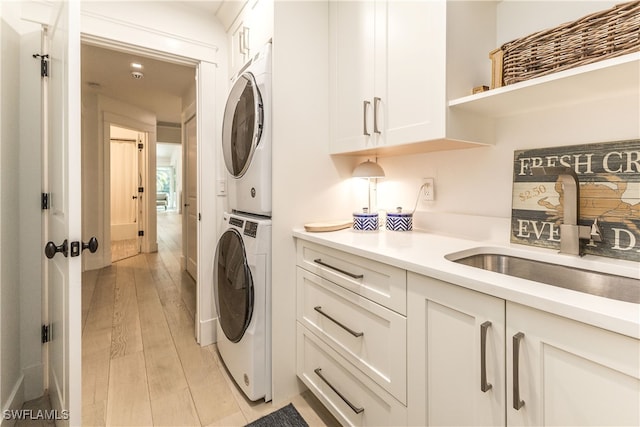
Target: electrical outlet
x: 428, y: 191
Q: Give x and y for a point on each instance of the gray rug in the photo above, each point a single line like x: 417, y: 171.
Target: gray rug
x: 283, y: 417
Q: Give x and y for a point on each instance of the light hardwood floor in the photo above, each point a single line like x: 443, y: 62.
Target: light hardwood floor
x: 141, y: 365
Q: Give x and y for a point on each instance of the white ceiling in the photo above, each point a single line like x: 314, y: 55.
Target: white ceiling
x: 108, y: 72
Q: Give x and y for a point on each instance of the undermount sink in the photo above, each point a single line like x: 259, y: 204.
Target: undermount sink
x: 591, y: 282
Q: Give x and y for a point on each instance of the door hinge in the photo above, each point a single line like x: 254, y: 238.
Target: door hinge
x: 140, y: 189
x: 45, y: 201
x: 140, y: 233
x: 46, y: 336
x: 44, y: 64
x: 140, y: 146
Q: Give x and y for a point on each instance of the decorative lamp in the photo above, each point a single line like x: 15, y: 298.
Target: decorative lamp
x: 369, y: 170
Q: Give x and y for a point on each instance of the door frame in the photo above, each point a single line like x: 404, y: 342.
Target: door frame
x: 210, y: 207
x: 188, y: 114
x: 148, y: 242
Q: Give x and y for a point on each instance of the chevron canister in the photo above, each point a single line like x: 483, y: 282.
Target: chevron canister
x: 365, y: 221
x: 399, y: 221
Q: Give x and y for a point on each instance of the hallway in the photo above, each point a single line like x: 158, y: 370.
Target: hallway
x: 141, y: 364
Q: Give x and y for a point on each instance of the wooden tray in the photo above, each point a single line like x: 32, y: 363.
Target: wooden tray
x: 316, y: 227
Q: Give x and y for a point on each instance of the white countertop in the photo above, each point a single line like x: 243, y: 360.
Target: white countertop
x: 424, y: 253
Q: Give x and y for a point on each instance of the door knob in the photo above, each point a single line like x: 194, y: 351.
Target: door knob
x: 50, y: 249
x: 92, y: 245
x: 134, y: 197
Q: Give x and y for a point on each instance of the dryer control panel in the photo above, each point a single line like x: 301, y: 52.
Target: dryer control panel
x: 250, y: 229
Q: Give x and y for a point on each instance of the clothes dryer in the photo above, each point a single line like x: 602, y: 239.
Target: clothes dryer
x: 242, y: 293
x: 246, y: 138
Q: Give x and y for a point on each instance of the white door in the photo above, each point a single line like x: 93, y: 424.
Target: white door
x: 353, y: 42
x: 191, y: 197
x: 455, y: 355
x: 61, y: 174
x: 124, y: 189
x: 561, y: 372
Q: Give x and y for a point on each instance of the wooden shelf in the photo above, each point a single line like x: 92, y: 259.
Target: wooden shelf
x: 588, y: 82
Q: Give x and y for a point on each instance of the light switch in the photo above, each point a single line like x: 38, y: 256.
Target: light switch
x: 221, y: 187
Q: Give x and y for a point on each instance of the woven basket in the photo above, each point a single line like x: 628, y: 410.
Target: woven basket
x: 601, y: 35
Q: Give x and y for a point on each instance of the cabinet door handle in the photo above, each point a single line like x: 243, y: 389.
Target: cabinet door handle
x: 376, y: 103
x: 517, y: 403
x: 484, y: 385
x: 365, y: 131
x: 339, y: 270
x: 344, y: 399
x: 346, y: 328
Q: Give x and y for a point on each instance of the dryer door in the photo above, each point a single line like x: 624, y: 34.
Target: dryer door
x: 233, y: 286
x: 242, y: 125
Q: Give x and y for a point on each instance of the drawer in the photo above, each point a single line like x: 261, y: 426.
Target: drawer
x: 371, y: 337
x: 382, y: 283
x: 335, y: 382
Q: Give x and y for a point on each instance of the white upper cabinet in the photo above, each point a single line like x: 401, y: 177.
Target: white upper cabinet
x: 251, y: 30
x: 402, y: 74
x: 388, y: 76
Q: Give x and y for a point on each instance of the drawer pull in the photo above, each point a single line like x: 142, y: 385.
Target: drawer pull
x: 355, y: 276
x: 344, y: 399
x: 484, y: 385
x: 346, y: 328
x: 517, y: 403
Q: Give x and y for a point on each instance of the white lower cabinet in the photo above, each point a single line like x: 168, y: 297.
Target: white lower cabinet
x: 352, y: 335
x: 562, y: 372
x: 456, y: 350
x: 350, y: 395
x: 544, y: 370
x: 368, y: 335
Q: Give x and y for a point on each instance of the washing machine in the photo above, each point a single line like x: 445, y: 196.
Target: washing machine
x: 242, y: 293
x: 246, y: 137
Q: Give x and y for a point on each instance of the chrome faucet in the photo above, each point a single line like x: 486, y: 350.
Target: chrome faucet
x: 571, y: 233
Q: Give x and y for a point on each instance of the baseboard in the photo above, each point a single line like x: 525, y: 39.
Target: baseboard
x: 94, y: 263
x: 207, y: 332
x: 33, y: 381
x: 14, y: 402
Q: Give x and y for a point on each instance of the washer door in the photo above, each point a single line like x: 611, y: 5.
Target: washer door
x: 233, y: 286
x: 242, y: 125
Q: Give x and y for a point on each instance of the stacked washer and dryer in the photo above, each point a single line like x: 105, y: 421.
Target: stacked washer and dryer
x: 242, y: 264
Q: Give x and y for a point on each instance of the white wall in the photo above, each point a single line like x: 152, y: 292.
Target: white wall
x: 10, y: 372
x: 478, y: 181
x: 308, y: 185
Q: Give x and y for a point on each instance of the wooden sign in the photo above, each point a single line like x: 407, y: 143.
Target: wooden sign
x: 609, y: 176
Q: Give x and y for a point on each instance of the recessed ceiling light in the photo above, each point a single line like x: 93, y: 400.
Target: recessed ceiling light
x: 136, y: 65
x: 137, y: 75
